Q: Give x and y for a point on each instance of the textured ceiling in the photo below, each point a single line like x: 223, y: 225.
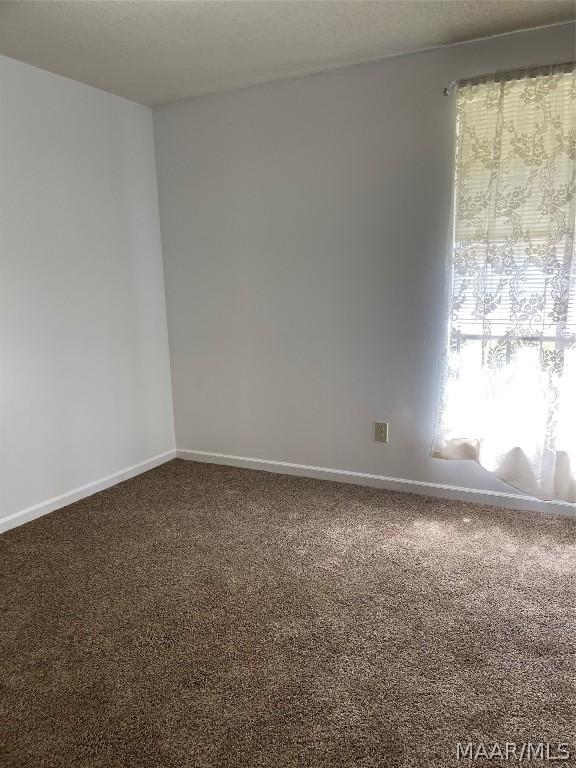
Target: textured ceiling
x: 157, y: 52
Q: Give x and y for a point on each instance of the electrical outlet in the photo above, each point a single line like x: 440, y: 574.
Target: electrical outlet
x: 381, y: 431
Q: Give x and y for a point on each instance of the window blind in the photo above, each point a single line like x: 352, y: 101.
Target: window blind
x: 508, y: 385
x: 515, y: 206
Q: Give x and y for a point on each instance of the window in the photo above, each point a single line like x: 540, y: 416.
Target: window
x: 508, y: 395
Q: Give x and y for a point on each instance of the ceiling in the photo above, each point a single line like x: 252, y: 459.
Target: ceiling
x: 163, y: 51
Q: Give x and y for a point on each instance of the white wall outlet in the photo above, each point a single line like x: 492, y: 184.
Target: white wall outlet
x: 381, y: 431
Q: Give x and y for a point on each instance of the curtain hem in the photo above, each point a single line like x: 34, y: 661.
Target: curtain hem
x: 514, y: 468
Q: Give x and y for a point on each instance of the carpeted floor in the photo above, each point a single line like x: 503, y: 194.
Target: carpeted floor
x: 205, y: 616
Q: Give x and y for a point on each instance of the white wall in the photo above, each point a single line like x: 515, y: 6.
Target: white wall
x: 84, y: 369
x: 304, y: 230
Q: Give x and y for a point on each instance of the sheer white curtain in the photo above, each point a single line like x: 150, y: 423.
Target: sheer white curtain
x: 508, y: 389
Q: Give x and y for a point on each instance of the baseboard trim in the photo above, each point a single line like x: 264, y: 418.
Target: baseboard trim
x: 56, y: 502
x: 493, y: 498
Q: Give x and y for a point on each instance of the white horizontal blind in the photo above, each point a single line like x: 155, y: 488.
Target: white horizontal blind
x: 515, y: 209
x: 508, y: 397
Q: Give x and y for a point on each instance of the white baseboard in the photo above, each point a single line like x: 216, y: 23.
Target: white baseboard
x: 494, y: 498
x: 30, y: 513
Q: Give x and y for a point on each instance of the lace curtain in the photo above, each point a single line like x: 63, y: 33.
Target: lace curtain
x: 508, y: 389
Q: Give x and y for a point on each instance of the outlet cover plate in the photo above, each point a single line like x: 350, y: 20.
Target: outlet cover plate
x: 381, y: 431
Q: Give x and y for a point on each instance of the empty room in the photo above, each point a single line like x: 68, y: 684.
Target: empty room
x: 287, y: 384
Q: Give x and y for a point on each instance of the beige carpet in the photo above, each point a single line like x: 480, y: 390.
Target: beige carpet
x: 204, y: 616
